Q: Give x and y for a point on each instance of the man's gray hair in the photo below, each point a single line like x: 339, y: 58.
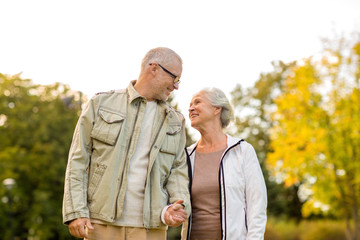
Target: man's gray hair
x: 218, y: 98
x: 164, y: 56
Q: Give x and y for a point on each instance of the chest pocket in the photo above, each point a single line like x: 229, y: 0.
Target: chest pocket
x: 108, y: 125
x: 171, y: 140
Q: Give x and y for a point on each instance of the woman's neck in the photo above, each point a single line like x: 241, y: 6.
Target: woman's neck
x: 212, y: 141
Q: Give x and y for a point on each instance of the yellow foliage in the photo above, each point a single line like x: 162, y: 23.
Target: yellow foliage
x: 316, y: 136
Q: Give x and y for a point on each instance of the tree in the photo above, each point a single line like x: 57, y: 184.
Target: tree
x: 316, y: 133
x: 252, y: 122
x: 36, y: 126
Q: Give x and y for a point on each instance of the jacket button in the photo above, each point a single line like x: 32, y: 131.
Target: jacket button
x: 155, y: 147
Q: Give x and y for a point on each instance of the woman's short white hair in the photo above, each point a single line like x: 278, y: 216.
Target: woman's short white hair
x: 164, y: 56
x: 218, y: 98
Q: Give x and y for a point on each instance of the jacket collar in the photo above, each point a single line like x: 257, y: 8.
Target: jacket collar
x: 230, y: 142
x: 132, y: 93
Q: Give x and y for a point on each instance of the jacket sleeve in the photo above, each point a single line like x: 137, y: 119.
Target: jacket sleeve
x: 76, y: 176
x: 178, y: 181
x: 256, y: 195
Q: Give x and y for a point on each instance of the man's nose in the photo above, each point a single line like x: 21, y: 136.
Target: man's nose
x: 176, y: 85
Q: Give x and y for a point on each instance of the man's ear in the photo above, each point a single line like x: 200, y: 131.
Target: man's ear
x: 153, y: 68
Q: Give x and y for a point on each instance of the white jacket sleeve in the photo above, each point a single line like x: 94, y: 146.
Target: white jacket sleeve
x: 256, y: 195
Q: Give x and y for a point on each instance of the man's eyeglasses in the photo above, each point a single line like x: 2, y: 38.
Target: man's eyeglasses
x: 176, y: 78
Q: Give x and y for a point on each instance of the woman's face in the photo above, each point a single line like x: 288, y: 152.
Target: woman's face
x: 201, y: 111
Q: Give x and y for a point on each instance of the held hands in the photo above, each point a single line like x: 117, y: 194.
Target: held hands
x: 77, y: 227
x: 175, y: 215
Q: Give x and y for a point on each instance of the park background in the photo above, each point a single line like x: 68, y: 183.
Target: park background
x: 290, y: 68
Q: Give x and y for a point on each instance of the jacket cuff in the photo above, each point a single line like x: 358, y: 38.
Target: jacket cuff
x: 163, y: 214
x: 72, y: 216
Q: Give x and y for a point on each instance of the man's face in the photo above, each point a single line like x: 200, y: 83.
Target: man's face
x: 163, y: 83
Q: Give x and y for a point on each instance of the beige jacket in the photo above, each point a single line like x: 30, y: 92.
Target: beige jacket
x: 104, y: 140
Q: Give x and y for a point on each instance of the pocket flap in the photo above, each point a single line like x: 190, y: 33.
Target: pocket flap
x: 173, y: 129
x: 110, y: 116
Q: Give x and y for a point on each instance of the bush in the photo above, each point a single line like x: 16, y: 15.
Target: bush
x: 329, y: 230
x: 281, y: 229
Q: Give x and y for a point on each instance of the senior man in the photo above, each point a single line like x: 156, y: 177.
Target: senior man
x: 127, y: 176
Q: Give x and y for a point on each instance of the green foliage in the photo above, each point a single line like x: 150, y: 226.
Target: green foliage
x: 329, y: 230
x: 35, y: 134
x: 281, y: 229
x: 174, y: 233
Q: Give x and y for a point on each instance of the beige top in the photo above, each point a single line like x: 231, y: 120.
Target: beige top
x: 206, y: 221
x: 134, y: 196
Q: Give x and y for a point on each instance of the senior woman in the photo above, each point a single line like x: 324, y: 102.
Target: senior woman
x: 228, y: 191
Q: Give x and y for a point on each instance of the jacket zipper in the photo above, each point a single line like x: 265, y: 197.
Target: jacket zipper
x: 148, y: 174
x: 221, y: 174
x: 190, y: 185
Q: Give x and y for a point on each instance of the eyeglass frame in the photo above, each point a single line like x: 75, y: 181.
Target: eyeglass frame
x: 176, y: 78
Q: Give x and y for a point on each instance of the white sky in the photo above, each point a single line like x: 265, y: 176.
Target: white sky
x: 96, y: 46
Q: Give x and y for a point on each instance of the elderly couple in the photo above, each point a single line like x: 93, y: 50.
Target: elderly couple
x: 129, y: 177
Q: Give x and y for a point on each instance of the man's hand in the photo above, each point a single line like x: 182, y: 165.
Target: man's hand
x: 175, y: 215
x: 77, y: 227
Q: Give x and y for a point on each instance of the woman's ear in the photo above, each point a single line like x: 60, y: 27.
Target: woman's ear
x: 217, y: 110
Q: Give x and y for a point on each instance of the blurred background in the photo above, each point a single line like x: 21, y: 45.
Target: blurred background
x: 296, y: 95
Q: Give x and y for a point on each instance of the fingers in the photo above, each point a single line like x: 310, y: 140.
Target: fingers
x: 177, y: 210
x: 179, y: 216
x: 88, y: 225
x: 177, y: 205
x: 176, y: 221
x: 179, y: 201
x: 76, y: 232
x: 173, y: 221
x: 82, y: 232
x: 175, y: 214
x: 77, y: 227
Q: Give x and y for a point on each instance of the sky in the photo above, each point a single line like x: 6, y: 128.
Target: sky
x: 97, y: 46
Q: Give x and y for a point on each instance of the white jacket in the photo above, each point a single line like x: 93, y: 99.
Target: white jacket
x: 242, y: 192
